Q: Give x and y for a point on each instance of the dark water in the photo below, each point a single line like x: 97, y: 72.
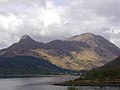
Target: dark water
x: 42, y: 83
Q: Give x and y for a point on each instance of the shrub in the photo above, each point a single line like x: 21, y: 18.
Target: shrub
x: 72, y: 88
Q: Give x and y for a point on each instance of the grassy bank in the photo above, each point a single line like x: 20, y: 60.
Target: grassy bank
x: 115, y: 82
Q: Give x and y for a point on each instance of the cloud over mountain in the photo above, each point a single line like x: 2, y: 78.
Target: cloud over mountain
x: 45, y: 20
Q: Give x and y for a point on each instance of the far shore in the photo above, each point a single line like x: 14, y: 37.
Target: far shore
x: 25, y: 76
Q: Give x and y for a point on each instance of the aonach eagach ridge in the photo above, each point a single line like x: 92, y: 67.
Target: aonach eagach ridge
x: 81, y: 52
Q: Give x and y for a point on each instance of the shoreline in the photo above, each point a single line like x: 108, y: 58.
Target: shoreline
x: 36, y: 76
x: 58, y: 84
x: 99, y: 85
x: 28, y: 76
x: 112, y: 83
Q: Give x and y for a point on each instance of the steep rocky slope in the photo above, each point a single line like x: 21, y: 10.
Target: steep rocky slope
x: 80, y: 52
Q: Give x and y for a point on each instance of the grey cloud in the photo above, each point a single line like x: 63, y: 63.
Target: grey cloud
x: 110, y: 9
x: 59, y: 20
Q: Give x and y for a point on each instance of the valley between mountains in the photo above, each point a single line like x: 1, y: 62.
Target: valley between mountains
x: 81, y: 52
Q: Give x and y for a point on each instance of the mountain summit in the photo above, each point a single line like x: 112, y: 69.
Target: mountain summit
x: 25, y: 43
x: 26, y: 37
x: 84, y: 36
x: 81, y: 52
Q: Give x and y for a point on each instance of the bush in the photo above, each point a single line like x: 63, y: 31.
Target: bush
x: 72, y: 88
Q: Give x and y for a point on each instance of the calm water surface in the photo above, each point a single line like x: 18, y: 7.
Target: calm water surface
x: 42, y: 83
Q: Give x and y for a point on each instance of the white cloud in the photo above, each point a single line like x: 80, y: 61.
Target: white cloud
x: 9, y: 22
x: 50, y: 17
x: 45, y: 20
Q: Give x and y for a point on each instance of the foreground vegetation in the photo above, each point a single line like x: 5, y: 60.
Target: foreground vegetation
x: 107, y: 75
x: 98, y: 77
x: 72, y: 88
x: 92, y: 83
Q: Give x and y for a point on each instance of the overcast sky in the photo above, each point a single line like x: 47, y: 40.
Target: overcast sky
x: 45, y: 20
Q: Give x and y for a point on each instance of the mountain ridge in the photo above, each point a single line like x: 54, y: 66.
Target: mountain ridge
x: 85, y: 51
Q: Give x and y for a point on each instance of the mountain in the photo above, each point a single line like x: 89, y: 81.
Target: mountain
x: 26, y: 43
x: 101, y: 51
x: 81, y: 52
x: 97, y: 43
x: 115, y: 64
x: 27, y: 65
x: 110, y: 70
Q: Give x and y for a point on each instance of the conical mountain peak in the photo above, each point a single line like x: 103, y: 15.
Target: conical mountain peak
x: 26, y: 38
x: 26, y: 43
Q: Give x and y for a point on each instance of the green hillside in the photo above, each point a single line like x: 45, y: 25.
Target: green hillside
x: 107, y: 75
x: 110, y: 70
x: 27, y: 65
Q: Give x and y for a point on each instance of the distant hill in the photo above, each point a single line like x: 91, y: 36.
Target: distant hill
x: 107, y: 75
x: 28, y: 65
x: 81, y: 52
x: 114, y: 63
x: 109, y: 70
